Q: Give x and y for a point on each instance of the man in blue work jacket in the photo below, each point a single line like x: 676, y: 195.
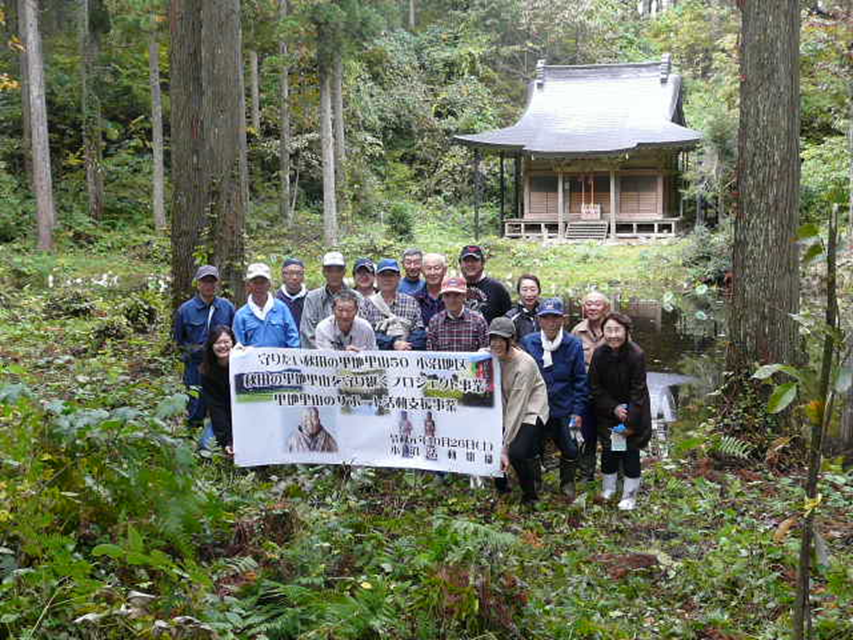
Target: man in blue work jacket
x: 264, y: 321
x: 560, y: 358
x: 193, y: 321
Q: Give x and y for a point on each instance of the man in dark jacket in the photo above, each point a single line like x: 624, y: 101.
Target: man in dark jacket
x: 560, y: 359
x: 472, y: 264
x: 193, y: 321
x: 524, y: 314
x: 293, y: 290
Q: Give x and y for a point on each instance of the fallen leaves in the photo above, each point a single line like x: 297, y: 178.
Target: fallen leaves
x: 783, y: 529
x: 619, y: 565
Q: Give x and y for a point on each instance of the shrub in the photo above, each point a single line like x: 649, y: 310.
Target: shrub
x: 16, y: 213
x: 111, y: 328
x: 708, y: 253
x: 401, y: 221
x: 141, y: 311
x: 69, y: 303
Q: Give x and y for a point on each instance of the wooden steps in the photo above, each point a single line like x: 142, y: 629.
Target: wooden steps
x: 587, y: 230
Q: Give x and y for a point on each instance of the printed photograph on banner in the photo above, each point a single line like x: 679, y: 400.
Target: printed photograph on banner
x: 430, y: 432
x: 470, y: 387
x: 311, y: 435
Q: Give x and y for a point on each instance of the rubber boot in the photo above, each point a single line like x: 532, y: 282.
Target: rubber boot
x: 586, y: 462
x: 536, y: 469
x: 630, y: 487
x: 527, y: 479
x: 567, y: 478
x: 608, y: 485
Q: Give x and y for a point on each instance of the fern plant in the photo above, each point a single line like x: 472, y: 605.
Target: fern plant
x: 731, y: 447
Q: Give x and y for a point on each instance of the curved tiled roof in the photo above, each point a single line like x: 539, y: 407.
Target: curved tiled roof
x: 593, y: 110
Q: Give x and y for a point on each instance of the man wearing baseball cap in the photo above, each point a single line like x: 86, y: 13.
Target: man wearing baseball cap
x: 559, y: 356
x: 264, y: 321
x: 193, y: 321
x: 472, y: 263
x: 293, y: 290
x: 457, y: 328
x: 394, y: 316
x: 319, y: 302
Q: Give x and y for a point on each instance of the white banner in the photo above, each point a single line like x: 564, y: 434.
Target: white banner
x: 416, y: 409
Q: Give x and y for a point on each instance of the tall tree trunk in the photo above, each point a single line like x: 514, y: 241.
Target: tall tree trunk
x: 254, y: 73
x: 42, y: 181
x: 187, y: 135
x: 411, y: 15
x: 766, y: 270
x: 339, y: 135
x: 330, y: 212
x: 26, y: 125
x: 91, y: 113
x: 159, y: 177
x: 845, y: 436
x: 285, y: 210
x: 224, y: 113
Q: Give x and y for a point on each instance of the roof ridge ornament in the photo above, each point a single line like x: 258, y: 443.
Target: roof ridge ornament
x: 665, y: 67
x: 540, y: 72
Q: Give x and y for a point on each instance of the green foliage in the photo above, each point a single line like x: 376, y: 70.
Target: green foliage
x: 400, y: 221
x: 708, y: 253
x: 112, y: 328
x: 101, y: 493
x: 698, y: 34
x: 141, y: 310
x: 732, y: 447
x: 806, y: 380
x: 69, y: 303
x: 101, y: 476
x: 825, y: 74
x: 16, y: 216
x: 825, y: 173
x: 20, y: 269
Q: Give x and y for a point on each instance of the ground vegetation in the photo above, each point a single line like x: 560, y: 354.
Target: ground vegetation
x: 112, y: 525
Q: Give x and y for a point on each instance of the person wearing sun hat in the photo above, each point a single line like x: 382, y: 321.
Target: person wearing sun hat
x: 559, y: 356
x: 456, y: 328
x: 193, y: 322
x: 320, y: 301
x: 525, y: 407
x: 264, y: 321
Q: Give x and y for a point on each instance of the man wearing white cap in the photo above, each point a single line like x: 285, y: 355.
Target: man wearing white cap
x: 319, y: 302
x: 264, y: 321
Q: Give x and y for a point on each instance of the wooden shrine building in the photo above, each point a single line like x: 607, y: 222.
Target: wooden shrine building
x: 598, y: 151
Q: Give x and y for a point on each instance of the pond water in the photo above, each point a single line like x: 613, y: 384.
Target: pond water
x: 668, y: 333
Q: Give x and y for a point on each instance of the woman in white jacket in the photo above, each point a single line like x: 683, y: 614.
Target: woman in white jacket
x: 525, y: 407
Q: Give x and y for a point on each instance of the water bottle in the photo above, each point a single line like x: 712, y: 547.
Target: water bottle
x: 618, y: 441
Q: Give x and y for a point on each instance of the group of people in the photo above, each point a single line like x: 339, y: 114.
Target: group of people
x: 579, y: 389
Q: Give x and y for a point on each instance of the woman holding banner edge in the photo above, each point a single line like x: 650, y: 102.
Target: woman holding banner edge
x: 216, y: 384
